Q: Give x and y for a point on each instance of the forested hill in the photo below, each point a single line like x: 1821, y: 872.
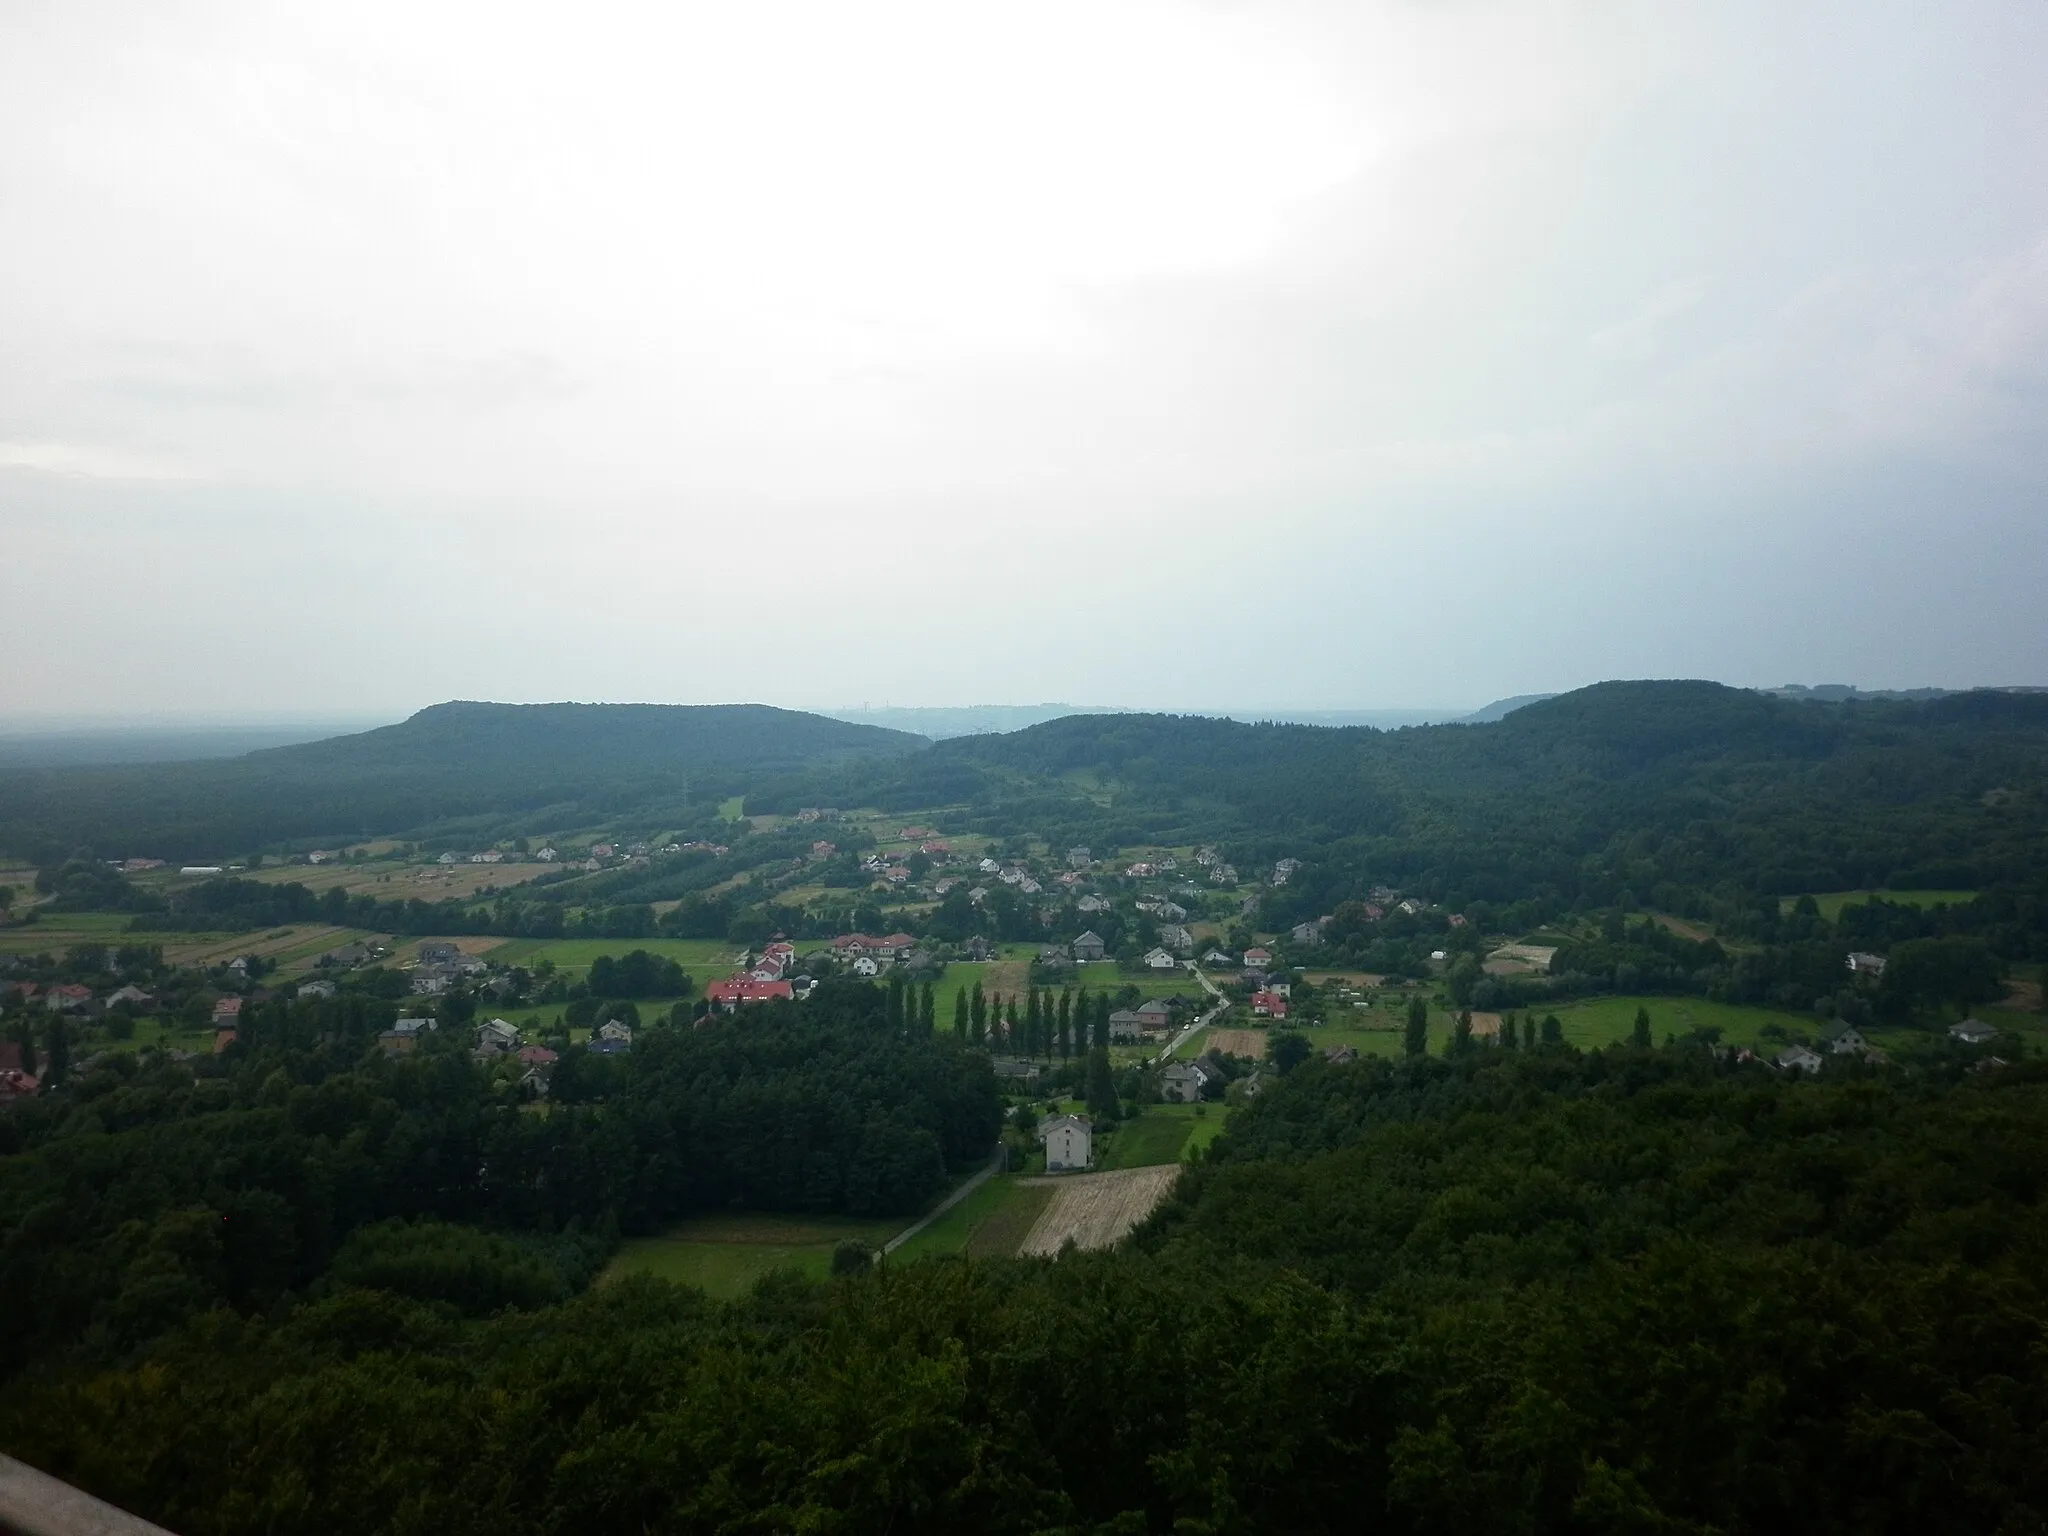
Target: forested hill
x: 1620, y: 785
x: 449, y: 761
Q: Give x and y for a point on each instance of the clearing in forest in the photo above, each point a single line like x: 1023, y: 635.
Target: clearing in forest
x: 1248, y: 1043
x: 1094, y: 1210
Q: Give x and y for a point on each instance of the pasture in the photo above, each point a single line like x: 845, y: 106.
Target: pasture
x: 1161, y: 1134
x: 705, y: 959
x: 1606, y: 1020
x: 725, y: 1255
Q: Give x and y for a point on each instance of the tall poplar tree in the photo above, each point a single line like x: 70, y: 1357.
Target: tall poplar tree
x: 960, y: 1014
x: 1415, y: 1039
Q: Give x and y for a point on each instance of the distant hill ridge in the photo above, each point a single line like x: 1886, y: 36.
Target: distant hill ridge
x: 451, y: 761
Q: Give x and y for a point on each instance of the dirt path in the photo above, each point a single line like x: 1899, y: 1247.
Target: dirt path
x: 1096, y: 1209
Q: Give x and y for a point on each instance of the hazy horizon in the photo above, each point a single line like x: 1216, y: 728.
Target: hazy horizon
x: 1174, y: 351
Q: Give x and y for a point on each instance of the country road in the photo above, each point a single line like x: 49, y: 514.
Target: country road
x: 995, y: 1163
x: 1203, y: 1022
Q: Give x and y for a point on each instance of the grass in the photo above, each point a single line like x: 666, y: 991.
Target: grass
x: 705, y: 959
x: 1832, y: 902
x: 1155, y: 1137
x: 725, y: 1255
x: 990, y: 1223
x: 1605, y: 1020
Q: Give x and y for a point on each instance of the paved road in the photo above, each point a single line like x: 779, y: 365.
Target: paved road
x: 995, y: 1164
x: 1204, y: 1021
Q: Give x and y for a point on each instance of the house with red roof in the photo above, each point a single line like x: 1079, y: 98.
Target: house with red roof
x: 733, y: 992
x: 227, y: 1012
x: 1258, y: 957
x: 1269, y: 1005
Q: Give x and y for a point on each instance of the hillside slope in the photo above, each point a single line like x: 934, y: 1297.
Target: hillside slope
x: 1620, y: 786
x: 448, y: 761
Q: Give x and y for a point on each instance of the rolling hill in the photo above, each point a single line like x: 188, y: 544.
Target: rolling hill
x: 447, y: 762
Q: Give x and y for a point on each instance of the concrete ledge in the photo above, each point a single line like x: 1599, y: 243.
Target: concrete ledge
x: 33, y: 1503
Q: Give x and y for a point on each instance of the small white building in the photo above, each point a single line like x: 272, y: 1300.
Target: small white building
x: 1160, y: 960
x: 1973, y: 1031
x: 1069, y: 1143
x: 1797, y: 1058
x: 1862, y: 964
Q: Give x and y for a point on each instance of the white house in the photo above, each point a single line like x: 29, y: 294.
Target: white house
x: 1160, y: 960
x: 1861, y: 964
x: 1973, y: 1031
x: 866, y: 965
x: 1797, y: 1058
x: 1069, y: 1143
x: 1182, y: 1082
x: 613, y: 1029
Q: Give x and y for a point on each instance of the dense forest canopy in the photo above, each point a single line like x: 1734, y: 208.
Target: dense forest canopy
x: 1613, y: 789
x: 567, y: 761
x: 1634, y: 1290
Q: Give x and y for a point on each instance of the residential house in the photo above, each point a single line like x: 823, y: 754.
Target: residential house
x: 134, y: 997
x: 1170, y: 912
x: 536, y: 1055
x: 1223, y: 874
x: 1217, y: 957
x: 866, y: 965
x: 1861, y: 964
x: 730, y: 995
x: 1079, y: 858
x: 977, y: 948
x: 1269, y: 1005
x: 1307, y: 933
x: 316, y: 989
x: 1973, y: 1031
x: 446, y: 858
x: 614, y: 1029
x: 16, y: 1086
x: 1284, y: 870
x: 1092, y: 903
x: 1089, y: 947
x: 227, y: 1012
x: 1845, y: 1040
x: 1258, y: 957
x: 70, y: 998
x: 404, y: 1036
x: 1125, y: 1027
x: 601, y: 1047
x: 1798, y: 1058
x: 346, y: 956
x: 1156, y: 1014
x: 1182, y: 1082
x: 430, y: 983
x: 1141, y: 871
x: 988, y: 866
x: 1069, y: 1143
x: 1339, y: 1055
x: 491, y: 856
x: 1056, y: 957
x: 1161, y: 960
x: 494, y: 1037
x: 547, y: 855
x: 439, y: 952
x: 1252, y: 1086
x: 1176, y: 938
x: 1009, y: 1069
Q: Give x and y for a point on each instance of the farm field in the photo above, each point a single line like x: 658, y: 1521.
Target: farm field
x: 990, y: 1223
x: 1606, y: 1020
x: 1163, y: 1133
x: 705, y: 959
x: 725, y: 1255
x: 1095, y: 1210
x: 1832, y: 902
x: 402, y: 882
x: 1234, y: 1042
x: 57, y: 931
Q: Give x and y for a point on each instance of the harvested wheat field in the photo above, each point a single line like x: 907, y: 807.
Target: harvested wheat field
x: 1096, y: 1209
x: 1248, y: 1043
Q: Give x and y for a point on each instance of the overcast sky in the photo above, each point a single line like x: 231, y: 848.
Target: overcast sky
x: 355, y: 357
